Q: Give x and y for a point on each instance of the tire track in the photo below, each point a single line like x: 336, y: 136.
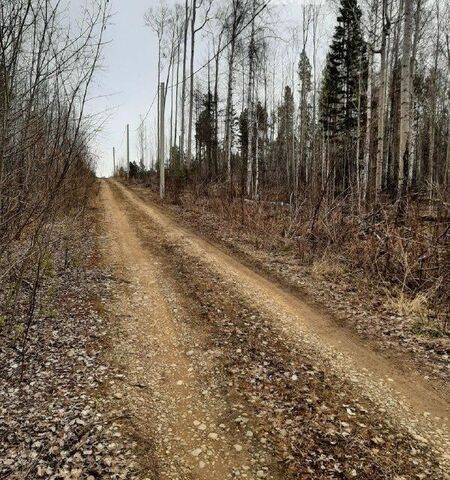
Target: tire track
x: 161, y: 391
x: 194, y: 271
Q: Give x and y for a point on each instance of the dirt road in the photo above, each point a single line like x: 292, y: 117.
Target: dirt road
x: 226, y: 375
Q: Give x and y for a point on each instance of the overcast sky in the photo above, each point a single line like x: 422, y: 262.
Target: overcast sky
x: 125, y: 85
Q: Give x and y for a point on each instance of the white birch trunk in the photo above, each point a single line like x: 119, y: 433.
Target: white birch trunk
x: 405, y: 96
x: 250, y: 108
x: 381, y: 105
x: 367, y: 140
x: 191, y: 88
x: 432, y: 134
x: 183, y: 87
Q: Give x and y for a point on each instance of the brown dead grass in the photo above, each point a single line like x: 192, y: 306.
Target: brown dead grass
x: 328, y: 268
x: 407, y: 252
x: 409, y: 306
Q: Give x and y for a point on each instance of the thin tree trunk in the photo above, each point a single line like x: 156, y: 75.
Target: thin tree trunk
x: 358, y: 144
x: 191, y: 88
x: 176, y: 95
x: 158, y: 134
x: 314, y: 158
x: 381, y: 104
x: 387, y: 105
x: 446, y: 178
x: 161, y: 143
x: 432, y: 134
x: 368, y: 133
x: 183, y: 87
x: 413, y: 160
x: 265, y: 133
x: 171, y: 116
x: 256, y: 187
x: 405, y: 97
x: 229, y: 107
x: 216, y: 108
x: 250, y: 107
x: 367, y: 141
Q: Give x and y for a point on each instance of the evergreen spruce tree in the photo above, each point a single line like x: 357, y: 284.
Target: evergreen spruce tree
x: 342, y: 89
x: 243, y: 134
x: 205, y: 134
x: 285, y: 138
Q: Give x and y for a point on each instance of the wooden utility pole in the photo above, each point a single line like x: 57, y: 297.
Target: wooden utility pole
x: 128, y: 149
x: 114, y: 161
x: 161, y: 141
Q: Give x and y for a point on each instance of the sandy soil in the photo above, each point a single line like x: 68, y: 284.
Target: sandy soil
x: 228, y: 375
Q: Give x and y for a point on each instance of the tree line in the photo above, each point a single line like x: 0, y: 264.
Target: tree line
x: 46, y: 165
x: 370, y: 118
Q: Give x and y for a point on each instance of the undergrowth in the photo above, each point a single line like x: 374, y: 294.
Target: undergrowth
x: 404, y: 254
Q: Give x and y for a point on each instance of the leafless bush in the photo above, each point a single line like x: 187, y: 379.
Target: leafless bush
x: 409, y: 257
x: 46, y: 168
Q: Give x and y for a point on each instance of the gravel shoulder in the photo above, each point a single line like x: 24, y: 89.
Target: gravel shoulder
x: 294, y: 394
x: 60, y: 422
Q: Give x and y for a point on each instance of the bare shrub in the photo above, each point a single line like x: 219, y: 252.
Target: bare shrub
x: 410, y: 257
x: 46, y: 167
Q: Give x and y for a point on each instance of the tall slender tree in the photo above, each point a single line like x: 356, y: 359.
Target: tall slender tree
x: 346, y: 63
x: 405, y: 99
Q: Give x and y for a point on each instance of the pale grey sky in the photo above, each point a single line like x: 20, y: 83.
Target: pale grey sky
x: 125, y: 85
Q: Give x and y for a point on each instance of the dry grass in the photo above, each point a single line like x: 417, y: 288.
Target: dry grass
x: 406, y: 252
x: 407, y: 305
x: 328, y: 268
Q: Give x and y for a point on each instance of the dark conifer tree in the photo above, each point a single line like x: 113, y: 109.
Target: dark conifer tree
x: 285, y: 138
x: 205, y: 135
x: 343, y: 90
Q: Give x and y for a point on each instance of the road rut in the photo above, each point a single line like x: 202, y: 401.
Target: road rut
x: 215, y: 353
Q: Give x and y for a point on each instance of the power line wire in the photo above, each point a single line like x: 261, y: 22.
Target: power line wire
x: 121, y: 141
x: 207, y: 63
x: 224, y: 47
x: 148, y: 111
